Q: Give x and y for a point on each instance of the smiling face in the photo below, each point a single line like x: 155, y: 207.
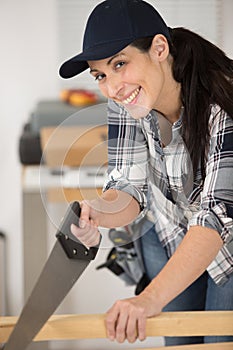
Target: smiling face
x: 138, y: 80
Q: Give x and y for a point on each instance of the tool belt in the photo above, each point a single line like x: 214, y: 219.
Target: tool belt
x: 125, y: 259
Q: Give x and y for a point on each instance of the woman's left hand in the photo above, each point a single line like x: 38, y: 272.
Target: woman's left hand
x: 126, y: 319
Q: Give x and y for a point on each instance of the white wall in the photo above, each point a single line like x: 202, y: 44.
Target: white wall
x: 227, y: 42
x: 28, y: 73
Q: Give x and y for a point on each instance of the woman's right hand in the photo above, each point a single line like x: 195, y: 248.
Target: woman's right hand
x: 87, y: 232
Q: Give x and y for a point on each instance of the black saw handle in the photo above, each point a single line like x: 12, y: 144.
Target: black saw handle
x: 73, y: 248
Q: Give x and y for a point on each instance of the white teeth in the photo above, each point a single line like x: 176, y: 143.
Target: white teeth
x: 132, y: 96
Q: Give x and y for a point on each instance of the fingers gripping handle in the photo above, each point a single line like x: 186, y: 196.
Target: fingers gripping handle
x: 73, y: 248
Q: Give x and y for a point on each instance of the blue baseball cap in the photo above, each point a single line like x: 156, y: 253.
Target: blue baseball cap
x: 111, y: 26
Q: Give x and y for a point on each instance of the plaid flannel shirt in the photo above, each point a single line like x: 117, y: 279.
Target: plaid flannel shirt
x: 161, y: 179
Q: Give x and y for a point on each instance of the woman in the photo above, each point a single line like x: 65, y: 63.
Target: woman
x: 152, y: 74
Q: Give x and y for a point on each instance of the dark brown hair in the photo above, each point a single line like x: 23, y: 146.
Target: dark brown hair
x: 206, y: 77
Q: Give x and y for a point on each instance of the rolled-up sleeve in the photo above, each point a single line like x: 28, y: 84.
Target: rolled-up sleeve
x: 216, y: 207
x: 127, y: 155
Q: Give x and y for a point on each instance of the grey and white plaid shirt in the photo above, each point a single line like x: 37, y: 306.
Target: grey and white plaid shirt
x: 161, y: 179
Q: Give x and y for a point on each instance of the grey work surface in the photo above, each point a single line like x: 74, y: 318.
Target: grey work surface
x: 55, y: 112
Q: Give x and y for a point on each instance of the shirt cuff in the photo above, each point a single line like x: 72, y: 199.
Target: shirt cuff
x: 215, y: 218
x: 124, y: 186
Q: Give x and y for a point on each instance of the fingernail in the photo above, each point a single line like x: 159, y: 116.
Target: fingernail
x: 111, y: 336
x: 82, y: 224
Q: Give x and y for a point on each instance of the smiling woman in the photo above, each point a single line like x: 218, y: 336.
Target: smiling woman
x: 182, y: 188
x: 122, y: 79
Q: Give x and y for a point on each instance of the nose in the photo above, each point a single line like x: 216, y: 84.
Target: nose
x: 114, y: 86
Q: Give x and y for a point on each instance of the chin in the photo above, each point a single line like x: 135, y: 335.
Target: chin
x: 136, y: 111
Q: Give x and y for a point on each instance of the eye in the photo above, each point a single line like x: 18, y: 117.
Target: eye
x: 99, y: 77
x: 119, y: 64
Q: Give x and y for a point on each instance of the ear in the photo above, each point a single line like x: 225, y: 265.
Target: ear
x: 159, y: 48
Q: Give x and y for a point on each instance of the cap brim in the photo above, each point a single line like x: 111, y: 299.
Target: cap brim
x: 72, y: 67
x: 78, y: 63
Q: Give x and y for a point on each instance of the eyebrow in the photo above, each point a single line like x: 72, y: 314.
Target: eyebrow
x: 109, y: 61
x: 112, y: 58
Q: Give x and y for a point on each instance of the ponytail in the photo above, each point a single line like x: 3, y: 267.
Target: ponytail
x: 206, y: 77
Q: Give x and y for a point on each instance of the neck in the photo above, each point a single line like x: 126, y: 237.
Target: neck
x: 171, y: 108
x: 170, y: 105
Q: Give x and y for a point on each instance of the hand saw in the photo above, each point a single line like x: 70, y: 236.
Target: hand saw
x: 66, y: 262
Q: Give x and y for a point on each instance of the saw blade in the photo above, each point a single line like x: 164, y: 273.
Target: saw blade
x: 66, y: 262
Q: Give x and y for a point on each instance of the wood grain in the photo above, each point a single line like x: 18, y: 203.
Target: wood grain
x: 92, y: 326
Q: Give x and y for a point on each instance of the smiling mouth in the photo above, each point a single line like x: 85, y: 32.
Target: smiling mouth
x: 132, y: 97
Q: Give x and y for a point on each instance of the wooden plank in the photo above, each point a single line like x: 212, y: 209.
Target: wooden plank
x: 191, y: 323
x: 166, y: 324
x: 207, y: 346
